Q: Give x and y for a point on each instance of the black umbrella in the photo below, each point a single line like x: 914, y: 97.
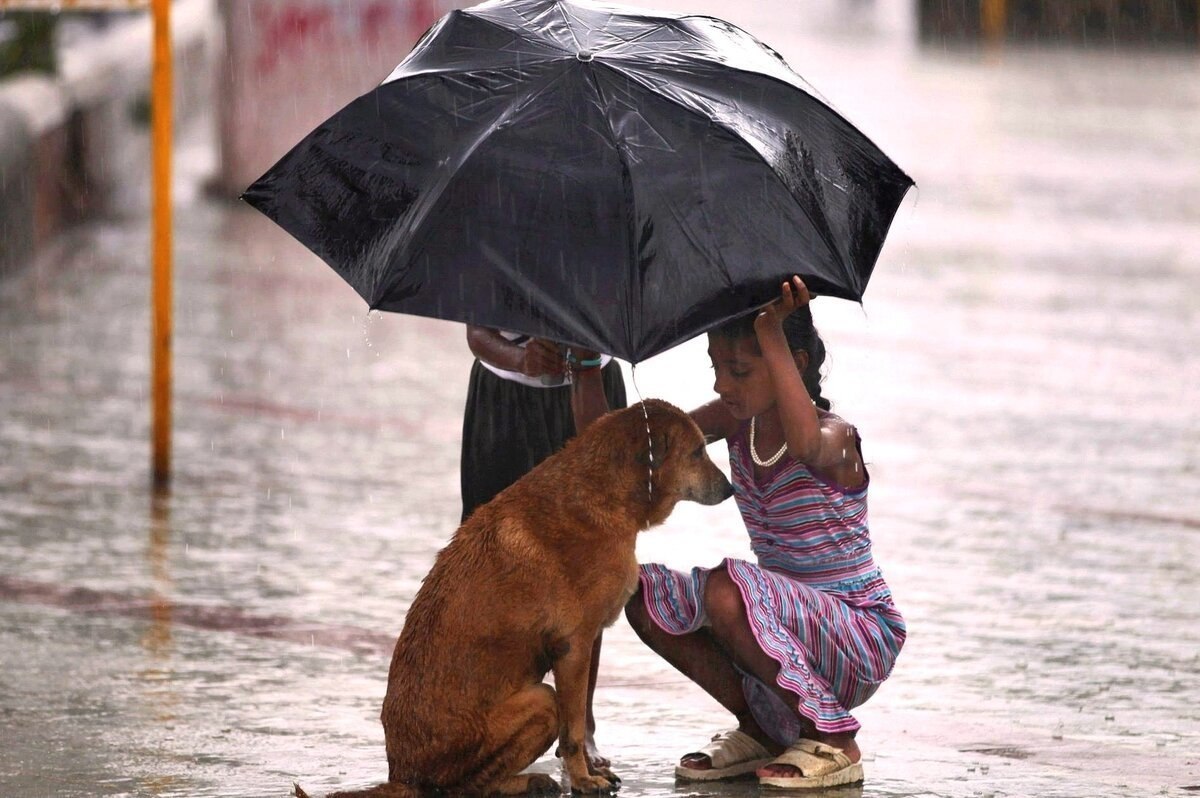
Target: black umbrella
x: 601, y: 176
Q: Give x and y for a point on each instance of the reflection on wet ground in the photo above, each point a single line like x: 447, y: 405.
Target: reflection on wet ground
x: 1024, y: 373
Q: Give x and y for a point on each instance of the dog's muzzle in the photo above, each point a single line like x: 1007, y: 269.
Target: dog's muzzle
x: 716, y: 491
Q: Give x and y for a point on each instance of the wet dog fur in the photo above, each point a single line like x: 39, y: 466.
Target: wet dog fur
x: 524, y: 587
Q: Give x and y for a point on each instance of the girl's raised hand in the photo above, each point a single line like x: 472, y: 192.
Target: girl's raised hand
x: 792, y: 295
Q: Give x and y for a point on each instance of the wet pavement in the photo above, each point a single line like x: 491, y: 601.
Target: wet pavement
x: 1023, y: 371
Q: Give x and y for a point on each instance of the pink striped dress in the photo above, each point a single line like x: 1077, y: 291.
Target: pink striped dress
x: 816, y: 601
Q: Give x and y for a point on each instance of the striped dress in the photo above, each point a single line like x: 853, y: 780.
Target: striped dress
x: 816, y: 601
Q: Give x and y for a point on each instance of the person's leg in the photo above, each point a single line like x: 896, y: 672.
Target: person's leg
x: 731, y: 632
x: 508, y: 428
x: 698, y: 657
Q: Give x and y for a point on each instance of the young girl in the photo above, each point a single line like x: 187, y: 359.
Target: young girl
x: 793, y: 642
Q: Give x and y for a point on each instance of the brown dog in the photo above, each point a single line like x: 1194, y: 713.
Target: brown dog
x: 525, y: 587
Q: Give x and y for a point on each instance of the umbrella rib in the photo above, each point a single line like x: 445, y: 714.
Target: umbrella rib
x: 514, y: 33
x: 634, y: 234
x: 430, y: 199
x: 805, y: 86
x: 808, y: 89
x: 567, y: 21
x: 626, y: 42
x: 833, y: 250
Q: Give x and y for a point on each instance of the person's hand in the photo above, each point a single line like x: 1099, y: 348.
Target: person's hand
x: 792, y: 295
x: 543, y: 357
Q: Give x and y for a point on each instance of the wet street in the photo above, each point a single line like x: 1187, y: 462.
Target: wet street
x: 1024, y: 372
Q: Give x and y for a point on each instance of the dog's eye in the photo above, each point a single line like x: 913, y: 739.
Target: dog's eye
x: 696, y: 455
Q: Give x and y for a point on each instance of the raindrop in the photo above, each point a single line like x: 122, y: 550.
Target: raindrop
x: 281, y: 433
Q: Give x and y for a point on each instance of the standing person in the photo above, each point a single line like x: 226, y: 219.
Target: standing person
x: 524, y: 402
x: 791, y: 643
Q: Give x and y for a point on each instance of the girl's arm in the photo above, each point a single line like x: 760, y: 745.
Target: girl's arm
x: 715, y: 421
x: 825, y: 443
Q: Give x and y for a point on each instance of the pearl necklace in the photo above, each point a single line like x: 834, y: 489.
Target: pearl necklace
x: 770, y: 461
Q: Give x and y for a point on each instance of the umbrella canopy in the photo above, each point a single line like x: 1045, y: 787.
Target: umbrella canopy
x: 601, y: 176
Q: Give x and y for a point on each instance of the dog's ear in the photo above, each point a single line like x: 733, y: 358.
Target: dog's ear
x: 660, y: 444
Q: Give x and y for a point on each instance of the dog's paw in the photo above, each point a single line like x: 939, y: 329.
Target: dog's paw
x: 541, y: 784
x: 605, y: 772
x: 593, y: 785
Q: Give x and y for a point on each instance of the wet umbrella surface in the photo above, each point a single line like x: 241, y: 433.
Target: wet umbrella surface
x: 594, y: 175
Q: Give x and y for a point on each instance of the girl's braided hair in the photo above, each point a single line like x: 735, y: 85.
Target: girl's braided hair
x: 801, y: 335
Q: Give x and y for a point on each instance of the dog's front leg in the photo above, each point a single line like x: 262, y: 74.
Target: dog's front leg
x: 571, y: 672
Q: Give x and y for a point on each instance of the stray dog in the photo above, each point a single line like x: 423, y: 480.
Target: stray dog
x: 525, y: 587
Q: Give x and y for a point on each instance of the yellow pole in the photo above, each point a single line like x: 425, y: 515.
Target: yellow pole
x: 160, y: 138
x: 993, y: 19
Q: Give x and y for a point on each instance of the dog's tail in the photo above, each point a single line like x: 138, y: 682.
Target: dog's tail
x: 391, y: 789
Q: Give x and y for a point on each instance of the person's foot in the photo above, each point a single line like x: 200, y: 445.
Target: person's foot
x: 596, y: 760
x: 843, y: 741
x: 738, y: 751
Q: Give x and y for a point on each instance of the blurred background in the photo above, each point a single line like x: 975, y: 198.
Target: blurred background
x: 1023, y: 370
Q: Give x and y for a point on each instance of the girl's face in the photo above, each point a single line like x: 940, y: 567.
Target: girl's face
x: 742, y: 379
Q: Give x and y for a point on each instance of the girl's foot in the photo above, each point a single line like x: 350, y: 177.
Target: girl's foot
x: 733, y: 753
x: 844, y: 742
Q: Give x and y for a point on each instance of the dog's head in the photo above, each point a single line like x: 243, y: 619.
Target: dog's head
x: 674, y: 461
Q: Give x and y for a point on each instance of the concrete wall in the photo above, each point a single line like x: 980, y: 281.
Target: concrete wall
x: 287, y: 65
x: 67, y: 142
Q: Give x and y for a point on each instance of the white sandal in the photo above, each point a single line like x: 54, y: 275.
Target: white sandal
x: 732, y: 753
x: 820, y: 766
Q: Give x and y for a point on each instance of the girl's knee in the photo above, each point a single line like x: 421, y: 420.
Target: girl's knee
x: 722, y: 600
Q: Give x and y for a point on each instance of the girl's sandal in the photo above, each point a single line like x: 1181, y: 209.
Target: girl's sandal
x: 820, y: 766
x: 733, y: 753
